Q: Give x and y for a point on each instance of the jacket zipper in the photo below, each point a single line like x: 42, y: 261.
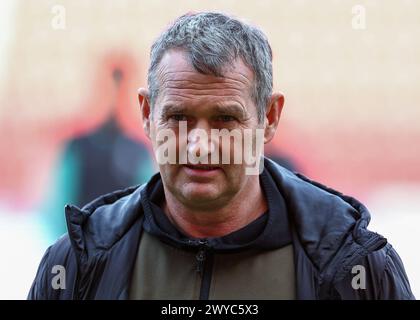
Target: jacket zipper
x: 76, y: 286
x: 204, y: 261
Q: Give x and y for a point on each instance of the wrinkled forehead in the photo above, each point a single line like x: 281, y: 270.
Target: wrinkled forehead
x: 177, y: 75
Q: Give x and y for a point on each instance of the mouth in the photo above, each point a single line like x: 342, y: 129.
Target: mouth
x: 201, y: 167
x: 202, y: 170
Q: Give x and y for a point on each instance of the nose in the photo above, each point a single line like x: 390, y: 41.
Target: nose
x: 200, y: 145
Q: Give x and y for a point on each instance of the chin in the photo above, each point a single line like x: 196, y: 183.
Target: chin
x: 200, y: 193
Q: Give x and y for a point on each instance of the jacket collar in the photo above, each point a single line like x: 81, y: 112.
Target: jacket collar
x: 102, y: 222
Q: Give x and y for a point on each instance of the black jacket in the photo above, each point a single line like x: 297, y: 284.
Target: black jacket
x: 329, y: 232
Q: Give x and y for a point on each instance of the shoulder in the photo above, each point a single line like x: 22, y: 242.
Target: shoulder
x: 380, y: 276
x: 59, y: 259
x: 394, y: 282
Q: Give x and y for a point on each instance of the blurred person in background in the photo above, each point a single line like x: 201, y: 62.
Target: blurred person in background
x: 93, y: 164
x: 200, y: 231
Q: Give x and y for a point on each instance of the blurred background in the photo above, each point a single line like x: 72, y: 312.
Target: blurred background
x: 70, y: 127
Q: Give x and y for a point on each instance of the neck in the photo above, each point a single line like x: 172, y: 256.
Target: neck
x: 246, y: 206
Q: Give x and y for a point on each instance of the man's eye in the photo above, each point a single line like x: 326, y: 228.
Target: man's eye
x: 178, y: 117
x: 226, y: 118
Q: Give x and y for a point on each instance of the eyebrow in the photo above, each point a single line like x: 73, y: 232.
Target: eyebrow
x: 231, y: 109
x: 172, y: 109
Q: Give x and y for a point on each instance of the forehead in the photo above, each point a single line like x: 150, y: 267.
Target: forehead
x: 179, y: 81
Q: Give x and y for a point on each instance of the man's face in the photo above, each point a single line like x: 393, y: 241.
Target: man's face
x: 202, y: 102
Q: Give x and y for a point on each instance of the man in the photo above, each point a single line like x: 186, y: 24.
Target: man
x: 203, y: 229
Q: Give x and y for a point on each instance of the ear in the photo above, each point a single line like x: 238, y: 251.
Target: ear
x: 145, y: 110
x: 272, y: 116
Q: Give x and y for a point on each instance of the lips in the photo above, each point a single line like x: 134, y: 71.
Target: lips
x: 202, y: 167
x: 202, y: 172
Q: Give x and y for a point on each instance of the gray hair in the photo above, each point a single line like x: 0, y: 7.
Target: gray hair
x: 213, y: 41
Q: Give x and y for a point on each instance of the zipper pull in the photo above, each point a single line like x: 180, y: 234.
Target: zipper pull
x: 201, y: 256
